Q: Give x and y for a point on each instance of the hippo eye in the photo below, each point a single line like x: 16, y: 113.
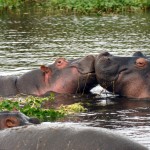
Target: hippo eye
x: 59, y: 62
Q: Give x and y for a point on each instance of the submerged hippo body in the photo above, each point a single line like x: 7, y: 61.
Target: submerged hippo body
x: 54, y: 136
x: 14, y: 119
x: 76, y: 76
x: 126, y: 76
x: 8, y: 85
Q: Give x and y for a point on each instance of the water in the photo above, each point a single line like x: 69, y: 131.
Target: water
x: 29, y: 40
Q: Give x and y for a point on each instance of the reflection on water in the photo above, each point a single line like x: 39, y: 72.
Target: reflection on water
x: 27, y: 41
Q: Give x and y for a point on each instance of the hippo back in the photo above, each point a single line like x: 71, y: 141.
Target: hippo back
x: 8, y: 85
x: 54, y: 136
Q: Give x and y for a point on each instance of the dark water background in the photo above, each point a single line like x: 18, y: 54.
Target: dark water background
x: 30, y: 39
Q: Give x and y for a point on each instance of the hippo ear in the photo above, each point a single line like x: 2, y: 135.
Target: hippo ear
x: 141, y: 62
x: 85, y: 64
x: 45, y: 69
x: 11, y: 122
x: 139, y: 54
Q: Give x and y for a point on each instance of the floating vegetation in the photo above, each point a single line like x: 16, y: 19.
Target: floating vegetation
x: 32, y: 106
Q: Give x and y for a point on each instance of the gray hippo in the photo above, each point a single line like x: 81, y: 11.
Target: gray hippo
x: 8, y: 85
x: 125, y: 76
x: 72, y: 76
x: 60, y: 136
x: 14, y: 119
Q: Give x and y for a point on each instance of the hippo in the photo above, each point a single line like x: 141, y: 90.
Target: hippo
x: 8, y: 86
x: 63, y: 76
x: 13, y: 119
x: 74, y: 76
x: 64, y: 136
x: 125, y: 76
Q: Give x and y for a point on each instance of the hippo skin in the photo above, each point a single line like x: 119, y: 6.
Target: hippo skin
x: 13, y: 119
x: 60, y: 136
x: 125, y: 76
x: 73, y: 76
x: 8, y: 85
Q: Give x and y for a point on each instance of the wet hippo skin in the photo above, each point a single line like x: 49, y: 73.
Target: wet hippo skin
x: 63, y: 76
x: 8, y: 85
x: 125, y: 76
x: 59, y: 136
x: 75, y: 76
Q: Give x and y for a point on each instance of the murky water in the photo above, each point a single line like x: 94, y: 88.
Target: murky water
x: 29, y: 40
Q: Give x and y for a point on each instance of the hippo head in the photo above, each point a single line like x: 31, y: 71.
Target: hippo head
x: 70, y: 76
x: 126, y: 76
x: 14, y: 119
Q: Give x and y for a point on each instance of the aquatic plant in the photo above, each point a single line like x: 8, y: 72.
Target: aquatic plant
x: 79, y: 6
x: 10, y: 4
x: 101, y: 5
x: 32, y: 106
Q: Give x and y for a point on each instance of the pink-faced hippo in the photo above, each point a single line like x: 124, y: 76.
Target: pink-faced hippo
x: 72, y: 76
x: 126, y: 76
x: 75, y: 76
x: 62, y: 136
x: 13, y: 119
